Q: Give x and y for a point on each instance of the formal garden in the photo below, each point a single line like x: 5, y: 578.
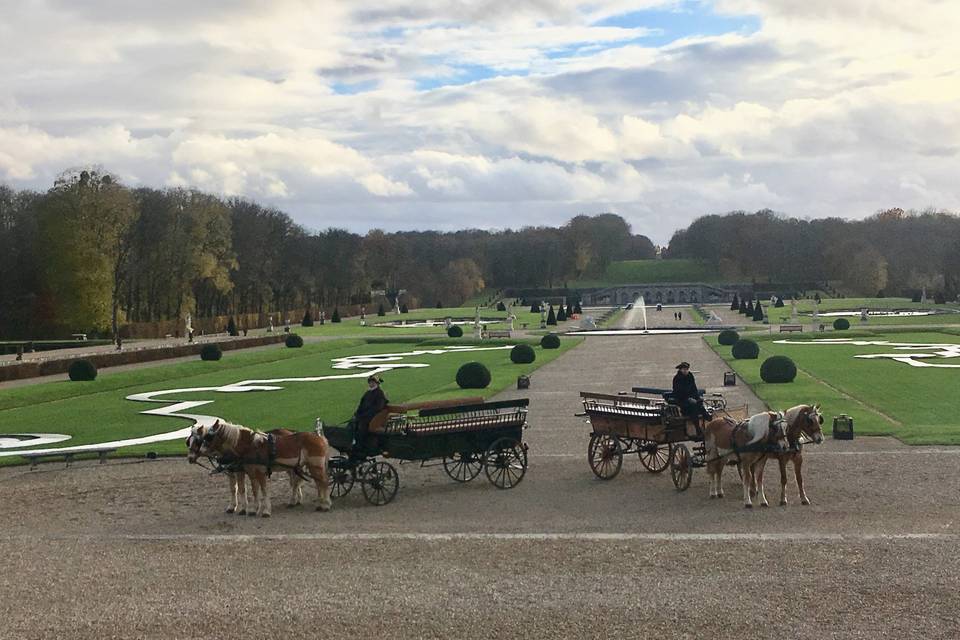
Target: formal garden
x: 99, y: 410
x: 896, y: 382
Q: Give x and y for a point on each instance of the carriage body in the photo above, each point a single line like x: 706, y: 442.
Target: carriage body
x: 464, y: 437
x: 648, y: 424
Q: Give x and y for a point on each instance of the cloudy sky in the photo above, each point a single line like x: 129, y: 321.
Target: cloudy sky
x: 413, y: 114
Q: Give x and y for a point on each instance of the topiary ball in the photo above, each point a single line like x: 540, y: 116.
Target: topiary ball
x: 210, y: 352
x: 454, y: 331
x: 841, y: 324
x: 745, y: 349
x: 728, y: 337
x: 473, y: 375
x: 550, y: 341
x: 776, y: 369
x: 82, y: 371
x: 522, y: 354
x: 294, y: 341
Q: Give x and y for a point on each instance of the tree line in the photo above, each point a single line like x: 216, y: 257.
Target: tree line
x: 90, y: 254
x: 893, y: 252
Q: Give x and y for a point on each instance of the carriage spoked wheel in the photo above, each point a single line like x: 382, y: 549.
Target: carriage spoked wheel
x: 655, y: 456
x: 379, y: 482
x: 463, y: 467
x: 605, y: 455
x: 681, y: 467
x: 341, y: 477
x: 505, y: 463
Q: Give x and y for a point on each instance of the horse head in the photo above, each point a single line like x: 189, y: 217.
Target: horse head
x: 194, y: 443
x: 777, y: 434
x: 211, y: 440
x: 812, y: 424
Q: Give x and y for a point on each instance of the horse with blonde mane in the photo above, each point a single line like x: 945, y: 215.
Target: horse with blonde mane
x: 748, y: 443
x: 803, y: 421
x: 235, y: 474
x: 258, y: 453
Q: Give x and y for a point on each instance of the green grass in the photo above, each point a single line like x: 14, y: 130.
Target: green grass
x: 98, y: 411
x: 885, y: 397
x: 781, y: 315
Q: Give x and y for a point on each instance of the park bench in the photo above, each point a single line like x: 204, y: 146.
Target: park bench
x: 788, y: 328
x: 68, y: 457
x: 78, y: 336
x: 498, y: 334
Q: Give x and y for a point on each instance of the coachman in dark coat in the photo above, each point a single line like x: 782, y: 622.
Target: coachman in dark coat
x: 687, y: 395
x: 372, y: 403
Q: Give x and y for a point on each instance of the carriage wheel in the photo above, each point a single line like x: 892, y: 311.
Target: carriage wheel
x: 655, y: 456
x: 463, y: 467
x: 605, y: 456
x: 505, y: 463
x: 681, y: 467
x: 379, y: 482
x: 341, y: 477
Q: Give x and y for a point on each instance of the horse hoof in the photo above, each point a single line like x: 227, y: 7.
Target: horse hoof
x: 265, y: 515
x: 764, y: 504
x: 783, y: 503
x: 805, y: 502
x: 241, y: 512
x: 252, y: 514
x: 748, y: 506
x: 323, y: 508
x: 719, y: 495
x: 712, y: 496
x: 230, y: 510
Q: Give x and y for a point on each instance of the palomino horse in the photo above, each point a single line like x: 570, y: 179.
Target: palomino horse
x: 259, y: 452
x: 803, y: 420
x: 235, y: 473
x: 748, y: 442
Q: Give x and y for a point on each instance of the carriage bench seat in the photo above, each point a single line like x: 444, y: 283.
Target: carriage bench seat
x: 68, y: 457
x: 498, y: 334
x: 788, y: 328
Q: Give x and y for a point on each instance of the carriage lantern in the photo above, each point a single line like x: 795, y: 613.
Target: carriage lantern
x: 729, y: 379
x: 523, y: 382
x: 843, y: 427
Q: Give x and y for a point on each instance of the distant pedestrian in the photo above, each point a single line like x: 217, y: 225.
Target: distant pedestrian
x: 679, y: 315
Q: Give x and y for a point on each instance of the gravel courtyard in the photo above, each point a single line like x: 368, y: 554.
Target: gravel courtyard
x: 142, y: 549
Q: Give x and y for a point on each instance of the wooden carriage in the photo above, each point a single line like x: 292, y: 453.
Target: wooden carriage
x: 465, y: 436
x: 650, y: 426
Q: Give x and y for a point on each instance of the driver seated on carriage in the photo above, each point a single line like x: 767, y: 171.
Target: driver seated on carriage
x: 373, y: 402
x: 687, y: 396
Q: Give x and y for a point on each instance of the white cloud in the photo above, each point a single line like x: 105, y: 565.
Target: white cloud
x: 831, y: 108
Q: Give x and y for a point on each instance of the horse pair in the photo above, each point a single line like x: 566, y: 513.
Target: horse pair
x: 244, y: 452
x: 750, y: 443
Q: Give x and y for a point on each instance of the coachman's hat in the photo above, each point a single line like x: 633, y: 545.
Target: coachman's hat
x: 683, y: 365
x: 375, y: 378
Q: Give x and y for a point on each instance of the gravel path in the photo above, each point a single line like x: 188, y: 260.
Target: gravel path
x: 143, y: 550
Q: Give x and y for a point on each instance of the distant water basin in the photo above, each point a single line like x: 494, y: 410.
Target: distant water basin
x: 433, y: 323
x: 636, y: 332
x: 896, y: 313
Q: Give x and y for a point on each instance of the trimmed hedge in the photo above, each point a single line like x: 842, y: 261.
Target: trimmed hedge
x: 841, y: 324
x: 728, y: 337
x: 307, y: 319
x: 336, y: 315
x: 522, y: 354
x: 455, y: 331
x: 745, y: 349
x: 294, y: 341
x: 82, y: 371
x: 210, y: 352
x: 550, y: 341
x: 778, y: 369
x: 473, y: 375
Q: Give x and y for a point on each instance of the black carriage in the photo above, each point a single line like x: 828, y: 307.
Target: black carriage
x: 464, y: 438
x: 648, y: 424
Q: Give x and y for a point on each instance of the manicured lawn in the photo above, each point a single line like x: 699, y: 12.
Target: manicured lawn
x: 98, y: 411
x: 781, y: 315
x: 885, y: 397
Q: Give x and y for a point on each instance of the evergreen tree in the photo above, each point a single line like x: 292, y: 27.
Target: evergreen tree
x: 551, y: 316
x: 758, y: 312
x: 735, y: 305
x: 743, y: 306
x: 307, y: 319
x: 232, y: 327
x: 380, y: 310
x: 561, y: 314
x: 336, y: 315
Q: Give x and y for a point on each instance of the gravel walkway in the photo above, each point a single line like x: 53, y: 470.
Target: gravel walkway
x: 143, y: 550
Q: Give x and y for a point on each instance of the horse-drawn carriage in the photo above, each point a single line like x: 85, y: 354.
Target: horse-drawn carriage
x: 466, y: 436
x: 649, y: 424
